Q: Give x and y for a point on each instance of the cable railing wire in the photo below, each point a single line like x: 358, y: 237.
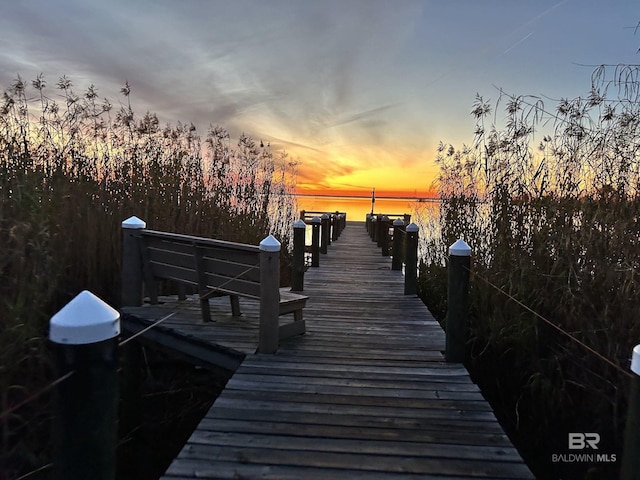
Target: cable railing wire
x: 62, y: 378
x: 554, y: 326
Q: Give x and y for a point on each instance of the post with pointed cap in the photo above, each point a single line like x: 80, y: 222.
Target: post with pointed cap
x: 630, y: 468
x: 398, y: 234
x: 380, y: 226
x: 456, y: 324
x: 385, y: 236
x: 373, y: 228
x: 315, y: 241
x: 85, y: 406
x: 269, y: 294
x: 297, y: 262
x: 132, y: 229
x: 411, y: 260
x: 325, y: 236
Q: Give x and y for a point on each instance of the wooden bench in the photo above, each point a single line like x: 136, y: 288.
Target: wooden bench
x: 216, y: 268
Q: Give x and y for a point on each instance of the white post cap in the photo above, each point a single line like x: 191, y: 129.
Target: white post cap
x: 635, y: 360
x: 299, y: 224
x: 398, y: 222
x: 85, y: 319
x: 316, y: 220
x: 325, y: 216
x: 134, y: 223
x: 460, y: 249
x: 270, y: 244
x: 412, y: 227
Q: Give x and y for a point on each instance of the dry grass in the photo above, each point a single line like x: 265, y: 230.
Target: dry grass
x: 549, y: 200
x: 72, y: 167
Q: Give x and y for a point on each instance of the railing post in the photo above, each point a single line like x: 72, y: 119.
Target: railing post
x: 335, y: 221
x: 411, y: 260
x: 269, y: 294
x: 396, y: 259
x: 315, y: 241
x: 385, y: 236
x: 297, y: 274
x: 84, y: 337
x: 456, y: 324
x: 302, y: 214
x: 380, y: 223
x: 131, y: 287
x: 630, y: 468
x: 373, y: 233
x: 325, y: 239
x: 367, y: 223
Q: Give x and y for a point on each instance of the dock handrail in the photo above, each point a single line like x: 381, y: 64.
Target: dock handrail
x: 398, y: 238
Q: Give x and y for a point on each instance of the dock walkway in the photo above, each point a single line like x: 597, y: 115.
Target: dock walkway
x: 365, y: 393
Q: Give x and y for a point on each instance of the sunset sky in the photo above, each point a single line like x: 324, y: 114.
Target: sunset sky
x: 359, y: 92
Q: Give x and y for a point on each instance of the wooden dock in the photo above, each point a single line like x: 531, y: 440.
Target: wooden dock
x: 365, y: 393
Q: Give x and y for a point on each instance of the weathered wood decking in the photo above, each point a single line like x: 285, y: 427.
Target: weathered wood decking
x: 364, y: 394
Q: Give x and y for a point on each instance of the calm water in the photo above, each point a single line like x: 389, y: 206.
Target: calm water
x: 356, y: 207
x: 424, y: 214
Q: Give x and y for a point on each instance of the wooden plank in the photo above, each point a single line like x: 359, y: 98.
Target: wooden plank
x: 192, y: 349
x: 189, y: 469
x: 205, y: 242
x: 229, y: 284
x: 365, y: 393
x: 301, y: 418
x: 303, y: 426
x: 226, y: 268
x: 173, y: 272
x: 292, y: 329
x: 419, y: 465
x: 423, y: 449
x: 171, y: 257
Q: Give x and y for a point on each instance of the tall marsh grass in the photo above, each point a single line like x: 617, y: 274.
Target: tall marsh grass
x: 72, y: 167
x: 548, y: 196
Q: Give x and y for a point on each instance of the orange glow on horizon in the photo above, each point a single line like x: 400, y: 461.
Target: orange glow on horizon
x: 353, y: 192
x: 399, y: 170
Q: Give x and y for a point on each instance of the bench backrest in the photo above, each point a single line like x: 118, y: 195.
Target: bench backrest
x: 213, y: 266
x: 226, y: 267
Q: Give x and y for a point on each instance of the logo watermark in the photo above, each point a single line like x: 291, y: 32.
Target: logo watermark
x: 581, y: 441
x: 586, y: 446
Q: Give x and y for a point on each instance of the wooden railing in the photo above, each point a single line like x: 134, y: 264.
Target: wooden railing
x: 398, y: 238
x: 332, y: 222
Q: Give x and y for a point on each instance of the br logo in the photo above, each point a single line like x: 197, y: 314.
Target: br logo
x: 580, y: 441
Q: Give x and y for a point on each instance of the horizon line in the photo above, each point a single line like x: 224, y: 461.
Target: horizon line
x: 383, y: 197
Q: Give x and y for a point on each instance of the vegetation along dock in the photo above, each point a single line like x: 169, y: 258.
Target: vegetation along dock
x: 364, y: 393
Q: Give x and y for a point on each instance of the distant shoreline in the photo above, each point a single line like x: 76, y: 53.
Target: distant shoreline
x: 326, y: 195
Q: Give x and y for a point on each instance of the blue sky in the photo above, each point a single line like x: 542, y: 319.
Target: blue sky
x: 360, y: 92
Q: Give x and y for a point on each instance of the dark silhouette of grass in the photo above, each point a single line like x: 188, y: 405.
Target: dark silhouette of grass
x: 72, y: 168
x: 549, y: 200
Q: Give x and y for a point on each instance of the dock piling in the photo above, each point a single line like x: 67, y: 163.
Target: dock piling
x: 325, y: 235
x: 315, y: 241
x: 411, y: 260
x: 297, y: 273
x: 630, y: 468
x: 456, y: 327
x: 269, y: 294
x: 132, y: 262
x: 397, y: 258
x: 85, y: 413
